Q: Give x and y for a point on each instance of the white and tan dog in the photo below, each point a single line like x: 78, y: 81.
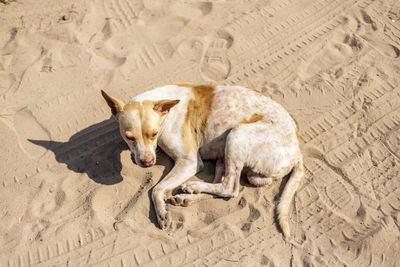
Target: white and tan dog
x: 242, y: 128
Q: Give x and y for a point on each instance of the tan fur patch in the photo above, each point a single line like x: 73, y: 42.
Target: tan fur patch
x: 132, y: 106
x: 146, y: 107
x: 195, y: 85
x: 129, y: 107
x: 197, y: 114
x: 255, y: 117
x: 148, y: 129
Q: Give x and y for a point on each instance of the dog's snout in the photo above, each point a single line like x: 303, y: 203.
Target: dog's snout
x: 147, y: 163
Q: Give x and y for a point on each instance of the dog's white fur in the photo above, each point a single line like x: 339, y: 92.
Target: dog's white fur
x: 242, y: 128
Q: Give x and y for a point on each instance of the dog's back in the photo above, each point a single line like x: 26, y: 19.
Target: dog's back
x: 233, y: 105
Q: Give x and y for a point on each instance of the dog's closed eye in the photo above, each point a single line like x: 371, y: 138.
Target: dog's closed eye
x: 152, y: 135
x: 130, y: 137
x: 132, y: 140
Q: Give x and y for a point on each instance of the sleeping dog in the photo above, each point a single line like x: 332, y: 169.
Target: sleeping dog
x: 243, y: 129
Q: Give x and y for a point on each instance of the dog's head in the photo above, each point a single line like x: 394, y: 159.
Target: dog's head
x: 139, y: 123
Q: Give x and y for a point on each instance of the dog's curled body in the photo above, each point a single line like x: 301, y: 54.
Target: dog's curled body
x: 243, y: 128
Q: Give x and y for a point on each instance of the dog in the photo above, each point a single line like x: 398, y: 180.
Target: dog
x: 243, y: 129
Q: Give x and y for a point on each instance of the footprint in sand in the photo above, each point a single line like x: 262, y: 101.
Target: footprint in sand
x: 27, y: 127
x: 215, y: 64
x: 47, y: 200
x: 362, y: 30
x: 332, y: 187
x: 43, y: 205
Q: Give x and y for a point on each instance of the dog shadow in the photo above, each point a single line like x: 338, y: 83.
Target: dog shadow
x: 94, y: 150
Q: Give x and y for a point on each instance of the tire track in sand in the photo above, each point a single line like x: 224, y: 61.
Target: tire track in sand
x: 226, y: 241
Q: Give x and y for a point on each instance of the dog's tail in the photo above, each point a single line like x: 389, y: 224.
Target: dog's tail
x: 287, y: 195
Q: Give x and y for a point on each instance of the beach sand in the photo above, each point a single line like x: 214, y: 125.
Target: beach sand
x: 70, y: 194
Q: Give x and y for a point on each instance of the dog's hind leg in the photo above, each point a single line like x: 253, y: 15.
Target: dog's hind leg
x: 229, y: 186
x: 188, y: 199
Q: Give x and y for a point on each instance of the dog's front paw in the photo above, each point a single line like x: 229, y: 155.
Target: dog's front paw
x: 190, y: 188
x: 181, y: 200
x: 164, y: 219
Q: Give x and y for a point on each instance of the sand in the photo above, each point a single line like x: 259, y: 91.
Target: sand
x: 70, y: 194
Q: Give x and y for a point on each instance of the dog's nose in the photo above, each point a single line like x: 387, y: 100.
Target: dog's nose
x: 147, y: 163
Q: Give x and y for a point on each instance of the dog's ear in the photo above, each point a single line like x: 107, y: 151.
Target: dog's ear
x: 115, y: 104
x: 164, y: 106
